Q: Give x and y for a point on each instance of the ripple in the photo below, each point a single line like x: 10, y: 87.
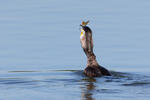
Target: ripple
x: 32, y: 77
x: 108, y: 91
x: 137, y: 84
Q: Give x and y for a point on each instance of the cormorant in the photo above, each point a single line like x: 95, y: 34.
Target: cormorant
x: 93, y: 69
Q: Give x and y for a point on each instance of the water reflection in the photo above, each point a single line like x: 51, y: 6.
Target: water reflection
x: 88, y: 88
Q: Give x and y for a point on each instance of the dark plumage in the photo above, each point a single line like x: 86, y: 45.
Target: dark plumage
x: 93, y: 69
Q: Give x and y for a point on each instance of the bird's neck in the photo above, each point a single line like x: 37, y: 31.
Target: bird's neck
x: 91, y: 59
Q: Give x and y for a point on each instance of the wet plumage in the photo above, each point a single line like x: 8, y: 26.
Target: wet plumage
x: 93, y: 69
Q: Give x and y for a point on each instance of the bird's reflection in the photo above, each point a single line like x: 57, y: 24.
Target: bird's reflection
x: 88, y: 88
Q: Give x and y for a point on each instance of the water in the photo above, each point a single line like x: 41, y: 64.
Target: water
x: 41, y: 56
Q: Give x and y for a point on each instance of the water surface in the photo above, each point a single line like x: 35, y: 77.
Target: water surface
x: 41, y: 56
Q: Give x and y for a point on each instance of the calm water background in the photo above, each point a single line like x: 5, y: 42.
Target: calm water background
x: 41, y: 57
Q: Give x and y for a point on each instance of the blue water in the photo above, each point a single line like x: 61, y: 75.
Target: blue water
x: 41, y: 57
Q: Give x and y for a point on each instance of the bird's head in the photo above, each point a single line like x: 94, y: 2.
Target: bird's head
x: 84, y: 29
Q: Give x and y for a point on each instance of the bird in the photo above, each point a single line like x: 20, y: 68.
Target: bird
x: 93, y: 69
